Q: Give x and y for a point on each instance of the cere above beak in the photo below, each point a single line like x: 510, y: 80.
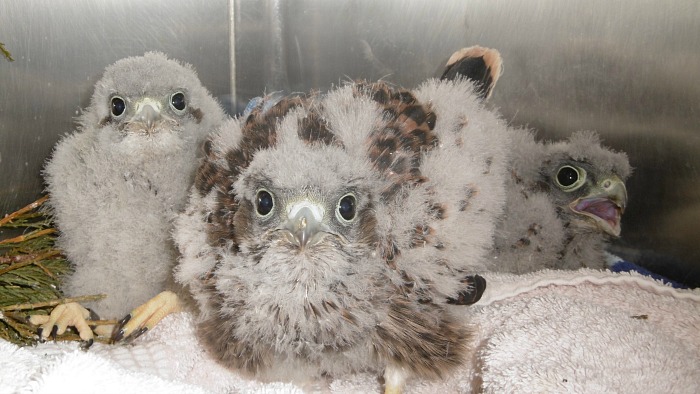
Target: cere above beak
x: 303, y: 226
x: 147, y: 115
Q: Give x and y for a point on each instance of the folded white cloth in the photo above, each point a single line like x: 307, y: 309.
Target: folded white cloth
x: 547, y: 332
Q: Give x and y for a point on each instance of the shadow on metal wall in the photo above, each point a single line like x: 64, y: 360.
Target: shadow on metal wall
x: 627, y: 69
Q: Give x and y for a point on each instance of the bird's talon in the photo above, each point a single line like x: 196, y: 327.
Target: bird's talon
x: 140, y: 332
x: 93, y: 317
x: 118, y: 333
x: 146, y: 316
x: 131, y: 337
x: 54, y: 332
x: 118, y: 336
x: 125, y: 320
x: 93, y: 314
x: 85, y: 345
x: 39, y: 332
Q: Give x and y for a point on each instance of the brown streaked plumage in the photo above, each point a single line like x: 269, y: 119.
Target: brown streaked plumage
x: 327, y: 234
x: 565, y: 199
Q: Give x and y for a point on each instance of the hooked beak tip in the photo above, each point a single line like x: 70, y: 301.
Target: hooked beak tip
x: 147, y: 116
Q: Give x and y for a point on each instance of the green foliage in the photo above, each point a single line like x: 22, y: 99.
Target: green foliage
x: 6, y: 53
x: 30, y: 271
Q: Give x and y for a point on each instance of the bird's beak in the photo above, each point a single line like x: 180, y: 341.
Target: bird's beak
x: 303, y: 226
x: 605, y: 204
x: 147, y: 114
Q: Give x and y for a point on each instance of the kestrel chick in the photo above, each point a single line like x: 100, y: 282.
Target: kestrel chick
x: 326, y: 234
x: 117, y: 182
x: 565, y: 200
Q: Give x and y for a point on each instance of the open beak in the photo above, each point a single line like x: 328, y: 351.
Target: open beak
x: 605, y: 204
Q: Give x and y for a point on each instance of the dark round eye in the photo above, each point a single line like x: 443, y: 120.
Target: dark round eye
x: 118, y: 106
x: 264, y: 203
x: 177, y: 102
x: 347, y: 208
x: 570, y: 178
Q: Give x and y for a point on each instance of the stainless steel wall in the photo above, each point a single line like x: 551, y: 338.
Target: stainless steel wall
x: 60, y: 50
x: 628, y: 69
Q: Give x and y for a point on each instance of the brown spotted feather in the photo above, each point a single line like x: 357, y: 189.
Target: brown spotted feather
x: 368, y: 319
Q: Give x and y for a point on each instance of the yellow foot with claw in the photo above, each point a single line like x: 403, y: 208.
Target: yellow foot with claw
x: 146, y: 316
x: 63, y: 316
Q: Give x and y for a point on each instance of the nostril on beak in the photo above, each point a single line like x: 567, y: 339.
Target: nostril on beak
x: 304, y: 224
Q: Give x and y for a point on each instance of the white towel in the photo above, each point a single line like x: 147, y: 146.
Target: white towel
x: 547, y: 332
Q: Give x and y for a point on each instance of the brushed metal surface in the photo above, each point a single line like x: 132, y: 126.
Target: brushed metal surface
x: 628, y: 69
x: 60, y: 51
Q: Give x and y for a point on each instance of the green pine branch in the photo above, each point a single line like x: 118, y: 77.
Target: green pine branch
x: 6, y: 53
x: 31, y: 270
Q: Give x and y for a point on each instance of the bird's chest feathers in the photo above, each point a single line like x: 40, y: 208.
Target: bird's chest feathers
x: 153, y: 170
x: 298, y: 277
x: 160, y: 158
x: 306, y: 303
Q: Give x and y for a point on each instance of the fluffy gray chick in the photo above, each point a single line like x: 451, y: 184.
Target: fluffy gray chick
x: 325, y: 235
x: 565, y: 201
x: 117, y: 182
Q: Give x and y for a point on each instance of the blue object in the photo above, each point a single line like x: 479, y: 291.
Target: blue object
x: 625, y: 266
x: 266, y: 102
x: 252, y: 104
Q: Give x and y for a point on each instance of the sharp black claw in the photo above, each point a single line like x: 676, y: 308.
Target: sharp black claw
x: 140, y: 332
x: 85, y: 345
x: 53, y: 333
x: 125, y: 320
x: 131, y: 337
x: 40, y: 331
x: 93, y: 317
x: 117, y: 336
x: 118, y: 333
